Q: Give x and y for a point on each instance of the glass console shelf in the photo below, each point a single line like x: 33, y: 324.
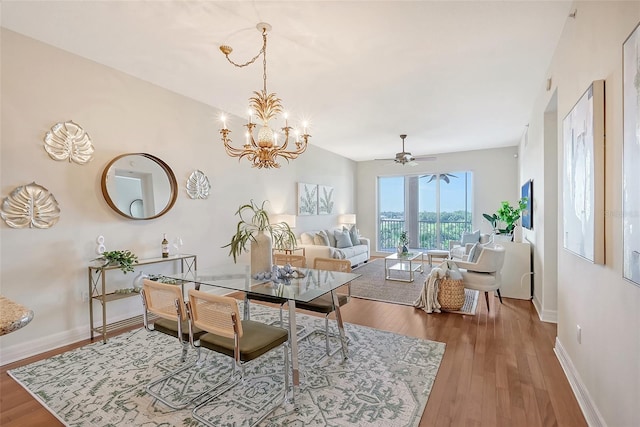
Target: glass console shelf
x: 98, y: 291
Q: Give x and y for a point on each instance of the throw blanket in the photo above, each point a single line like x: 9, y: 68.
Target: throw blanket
x: 428, y: 299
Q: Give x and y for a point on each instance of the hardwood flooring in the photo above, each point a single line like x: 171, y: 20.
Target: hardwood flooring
x: 499, y: 368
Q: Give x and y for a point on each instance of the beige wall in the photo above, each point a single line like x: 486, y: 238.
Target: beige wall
x: 47, y: 269
x: 605, y: 368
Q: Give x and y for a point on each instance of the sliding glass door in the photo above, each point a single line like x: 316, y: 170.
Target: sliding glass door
x: 432, y: 208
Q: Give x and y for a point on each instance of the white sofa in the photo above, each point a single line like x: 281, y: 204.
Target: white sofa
x: 357, y: 254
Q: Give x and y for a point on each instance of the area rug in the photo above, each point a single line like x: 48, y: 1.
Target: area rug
x: 373, y: 285
x: 385, y: 382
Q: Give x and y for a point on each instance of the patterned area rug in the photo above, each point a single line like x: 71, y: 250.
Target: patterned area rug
x: 385, y: 382
x: 373, y: 285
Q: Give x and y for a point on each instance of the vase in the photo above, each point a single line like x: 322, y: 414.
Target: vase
x: 261, y: 253
x: 517, y: 234
x: 405, y: 250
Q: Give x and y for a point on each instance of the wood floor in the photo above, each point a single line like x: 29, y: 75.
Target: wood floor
x: 499, y: 368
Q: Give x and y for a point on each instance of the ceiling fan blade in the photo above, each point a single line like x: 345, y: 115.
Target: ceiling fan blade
x: 425, y: 158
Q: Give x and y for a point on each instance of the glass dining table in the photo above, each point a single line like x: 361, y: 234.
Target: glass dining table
x: 305, y: 285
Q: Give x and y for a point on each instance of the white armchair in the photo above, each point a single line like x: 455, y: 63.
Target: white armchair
x: 459, y: 249
x: 484, y: 274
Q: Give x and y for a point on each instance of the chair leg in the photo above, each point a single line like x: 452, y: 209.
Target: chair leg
x: 499, y: 296
x: 486, y: 297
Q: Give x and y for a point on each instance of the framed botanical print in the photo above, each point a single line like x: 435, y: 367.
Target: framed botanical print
x: 307, y: 199
x: 325, y: 200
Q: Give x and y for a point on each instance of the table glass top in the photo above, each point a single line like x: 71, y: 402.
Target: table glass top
x: 310, y: 285
x: 409, y: 256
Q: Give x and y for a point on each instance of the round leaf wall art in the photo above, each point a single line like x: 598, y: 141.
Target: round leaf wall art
x: 69, y: 141
x: 30, y: 206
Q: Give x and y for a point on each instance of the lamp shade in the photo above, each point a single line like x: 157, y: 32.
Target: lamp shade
x: 288, y: 218
x: 347, y: 219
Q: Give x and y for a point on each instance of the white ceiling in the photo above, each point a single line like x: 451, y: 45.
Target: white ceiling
x: 453, y: 75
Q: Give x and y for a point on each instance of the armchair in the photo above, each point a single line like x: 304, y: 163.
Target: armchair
x: 485, y: 274
x: 459, y: 249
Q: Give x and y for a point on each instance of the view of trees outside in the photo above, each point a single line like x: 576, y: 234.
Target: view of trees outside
x: 443, y: 204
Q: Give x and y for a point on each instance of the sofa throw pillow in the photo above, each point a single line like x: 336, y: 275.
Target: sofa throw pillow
x: 321, y: 238
x: 354, y: 235
x: 470, y: 237
x: 343, y: 240
x: 332, y: 238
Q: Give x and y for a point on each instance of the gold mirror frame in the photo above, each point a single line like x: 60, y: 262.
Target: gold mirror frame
x: 173, y: 183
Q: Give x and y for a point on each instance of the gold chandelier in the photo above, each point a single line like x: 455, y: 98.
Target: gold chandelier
x: 266, y: 106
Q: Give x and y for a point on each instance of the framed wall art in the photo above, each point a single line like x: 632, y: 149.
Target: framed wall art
x: 325, y: 200
x: 583, y: 175
x: 527, y: 213
x: 307, y: 199
x: 631, y: 157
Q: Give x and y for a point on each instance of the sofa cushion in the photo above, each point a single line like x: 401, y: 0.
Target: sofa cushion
x: 470, y: 237
x: 354, y: 235
x: 306, y: 238
x: 332, y: 238
x: 474, y: 253
x: 343, y: 240
x: 321, y: 238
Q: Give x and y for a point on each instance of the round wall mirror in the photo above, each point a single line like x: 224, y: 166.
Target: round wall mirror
x: 139, y: 186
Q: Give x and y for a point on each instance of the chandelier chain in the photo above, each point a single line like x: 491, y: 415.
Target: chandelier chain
x: 252, y: 60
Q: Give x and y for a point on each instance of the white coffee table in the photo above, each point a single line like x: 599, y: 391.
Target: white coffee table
x: 410, y: 262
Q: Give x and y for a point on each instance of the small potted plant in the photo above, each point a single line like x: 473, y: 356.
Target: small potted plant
x: 507, y: 214
x: 254, y: 228
x: 403, y: 241
x: 124, y: 259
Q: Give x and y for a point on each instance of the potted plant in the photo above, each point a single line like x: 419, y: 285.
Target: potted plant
x: 403, y: 241
x: 254, y: 228
x: 507, y: 214
x: 124, y: 259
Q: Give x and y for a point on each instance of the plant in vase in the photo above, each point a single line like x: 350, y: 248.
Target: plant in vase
x: 124, y: 259
x: 508, y: 215
x: 403, y: 243
x: 254, y: 228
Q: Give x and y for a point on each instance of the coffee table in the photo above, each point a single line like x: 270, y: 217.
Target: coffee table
x: 409, y: 262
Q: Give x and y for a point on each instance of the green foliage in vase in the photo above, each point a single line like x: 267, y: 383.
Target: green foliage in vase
x: 125, y: 259
x: 255, y: 219
x: 507, y: 214
x: 404, y: 238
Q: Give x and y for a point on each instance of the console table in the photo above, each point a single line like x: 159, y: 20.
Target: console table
x: 98, y: 291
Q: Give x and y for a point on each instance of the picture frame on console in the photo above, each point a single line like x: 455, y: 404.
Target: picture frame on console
x: 583, y: 176
x: 631, y: 157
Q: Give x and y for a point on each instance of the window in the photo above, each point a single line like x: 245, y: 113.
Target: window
x: 432, y: 208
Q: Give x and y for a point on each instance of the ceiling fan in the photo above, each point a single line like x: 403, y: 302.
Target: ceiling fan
x: 405, y: 157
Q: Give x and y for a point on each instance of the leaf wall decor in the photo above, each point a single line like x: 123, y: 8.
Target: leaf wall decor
x: 30, y: 206
x: 69, y: 141
x: 198, y: 185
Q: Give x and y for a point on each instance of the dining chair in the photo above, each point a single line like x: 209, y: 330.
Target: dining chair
x: 485, y: 273
x: 280, y: 259
x: 242, y: 340
x: 166, y: 302
x: 324, y: 304
x: 293, y: 260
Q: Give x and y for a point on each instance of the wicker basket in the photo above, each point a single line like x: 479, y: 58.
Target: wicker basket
x: 450, y: 294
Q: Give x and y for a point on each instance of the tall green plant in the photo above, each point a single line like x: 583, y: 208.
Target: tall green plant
x: 508, y: 215
x: 255, y: 219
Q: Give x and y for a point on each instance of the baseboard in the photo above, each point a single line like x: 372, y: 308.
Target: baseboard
x: 40, y: 345
x: 549, y: 316
x: 589, y: 409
